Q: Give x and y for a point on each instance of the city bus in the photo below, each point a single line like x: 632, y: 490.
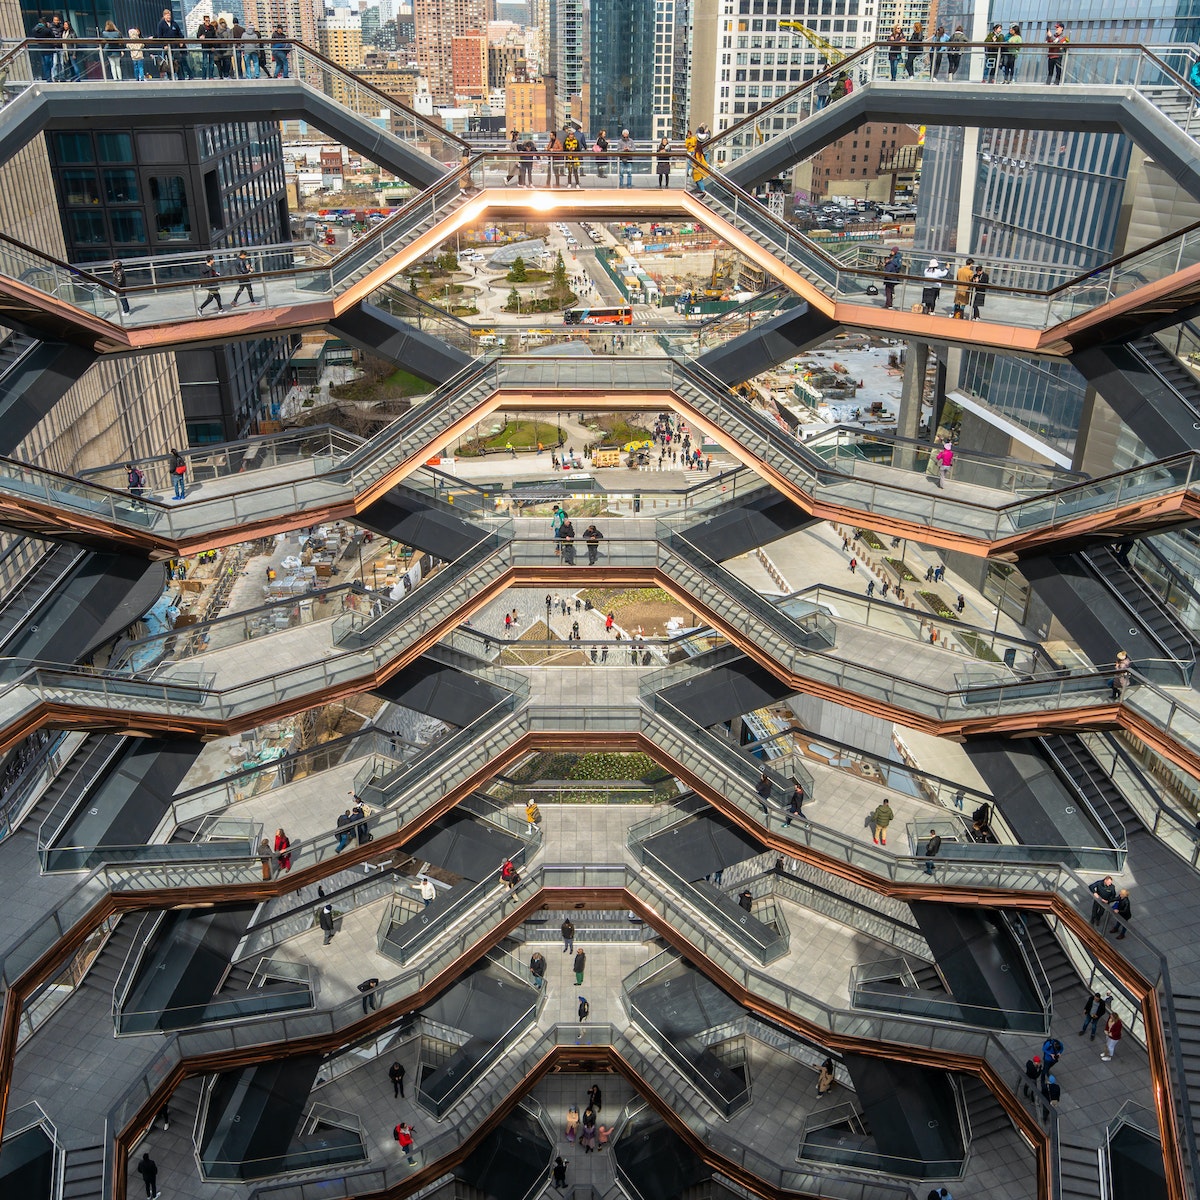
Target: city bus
x: 599, y: 316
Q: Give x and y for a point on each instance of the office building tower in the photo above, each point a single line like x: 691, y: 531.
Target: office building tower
x: 1055, y: 198
x: 340, y: 37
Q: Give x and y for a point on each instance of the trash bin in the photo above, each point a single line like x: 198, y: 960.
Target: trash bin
x: 1010, y: 657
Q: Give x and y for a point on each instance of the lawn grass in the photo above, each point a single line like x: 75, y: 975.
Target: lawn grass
x: 396, y: 386
x: 525, y: 435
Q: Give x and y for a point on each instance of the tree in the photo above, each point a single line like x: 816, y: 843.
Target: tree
x: 560, y: 293
x: 517, y: 273
x: 412, y: 285
x: 513, y: 303
x: 448, y: 261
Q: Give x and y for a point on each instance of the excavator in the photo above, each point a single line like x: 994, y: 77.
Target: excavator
x: 831, y: 53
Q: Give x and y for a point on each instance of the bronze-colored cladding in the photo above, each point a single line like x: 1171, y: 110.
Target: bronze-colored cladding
x: 1159, y: 298
x: 1137, y: 516
x: 44, y: 968
x: 1031, y: 720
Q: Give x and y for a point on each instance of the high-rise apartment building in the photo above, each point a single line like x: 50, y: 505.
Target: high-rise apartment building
x: 504, y: 60
x: 633, y: 53
x: 469, y: 65
x: 528, y: 105
x: 297, y: 18
x: 437, y: 23
x: 741, y: 60
x: 340, y: 38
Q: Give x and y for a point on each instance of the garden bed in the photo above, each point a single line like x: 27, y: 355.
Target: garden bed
x: 901, y: 570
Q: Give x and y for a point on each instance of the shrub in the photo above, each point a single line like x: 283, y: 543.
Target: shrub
x: 939, y: 606
x: 978, y: 647
x: 901, y: 570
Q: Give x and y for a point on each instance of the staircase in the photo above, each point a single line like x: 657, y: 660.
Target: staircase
x: 94, y: 744
x: 22, y: 601
x: 926, y: 976
x: 1153, y: 614
x: 106, y: 966
x: 83, y: 1173
x: 984, y: 1112
x: 70, y: 786
x: 1079, y: 1167
x: 1187, y: 1032
x: 1067, y: 993
x: 239, y: 977
x: 1169, y: 368
x: 1104, y: 797
x: 1174, y: 103
x: 12, y: 350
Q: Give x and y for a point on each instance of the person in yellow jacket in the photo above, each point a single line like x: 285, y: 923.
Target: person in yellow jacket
x: 964, y: 277
x: 532, y: 815
x: 699, y: 166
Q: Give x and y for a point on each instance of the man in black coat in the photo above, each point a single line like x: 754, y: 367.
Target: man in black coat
x: 1103, y: 893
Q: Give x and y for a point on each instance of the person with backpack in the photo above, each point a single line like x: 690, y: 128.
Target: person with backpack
x: 246, y: 272
x: 121, y: 280
x: 212, y: 289
x: 136, y: 479
x: 179, y: 474
x: 893, y: 269
x: 403, y: 1133
x: 954, y: 53
x: 44, y: 32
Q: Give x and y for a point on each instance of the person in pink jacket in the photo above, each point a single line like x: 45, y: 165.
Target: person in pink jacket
x: 945, y: 460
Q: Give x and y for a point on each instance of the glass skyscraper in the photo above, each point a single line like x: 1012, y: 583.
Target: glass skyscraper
x: 1041, y: 197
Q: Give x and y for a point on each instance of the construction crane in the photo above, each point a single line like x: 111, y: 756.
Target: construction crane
x: 831, y: 53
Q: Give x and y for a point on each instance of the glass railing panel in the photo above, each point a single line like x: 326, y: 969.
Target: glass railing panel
x: 293, y: 449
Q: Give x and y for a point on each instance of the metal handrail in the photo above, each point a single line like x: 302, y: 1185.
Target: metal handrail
x: 188, y: 43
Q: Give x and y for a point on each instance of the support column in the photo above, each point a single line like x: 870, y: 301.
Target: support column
x: 908, y: 418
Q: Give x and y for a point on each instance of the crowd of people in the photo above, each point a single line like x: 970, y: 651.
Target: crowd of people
x: 971, y: 282
x: 226, y: 51
x: 945, y: 50
x: 571, y: 155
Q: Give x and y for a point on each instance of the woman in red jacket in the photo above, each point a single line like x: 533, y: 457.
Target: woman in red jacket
x: 283, y: 850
